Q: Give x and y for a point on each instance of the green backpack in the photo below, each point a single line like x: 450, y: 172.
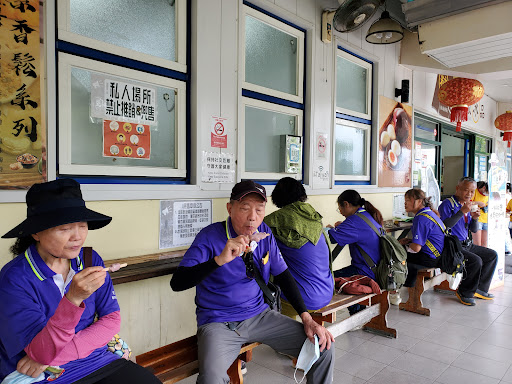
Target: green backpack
x: 391, y: 271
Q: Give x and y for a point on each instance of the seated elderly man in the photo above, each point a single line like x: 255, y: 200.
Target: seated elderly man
x: 457, y: 214
x: 230, y: 307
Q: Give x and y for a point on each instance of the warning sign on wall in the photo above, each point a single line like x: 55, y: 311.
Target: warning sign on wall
x: 219, y: 136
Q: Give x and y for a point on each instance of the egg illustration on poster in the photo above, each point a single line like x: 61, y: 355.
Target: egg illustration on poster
x: 395, y: 143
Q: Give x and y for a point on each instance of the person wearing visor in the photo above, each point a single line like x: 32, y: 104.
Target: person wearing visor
x: 230, y: 307
x: 49, y: 299
x: 458, y: 214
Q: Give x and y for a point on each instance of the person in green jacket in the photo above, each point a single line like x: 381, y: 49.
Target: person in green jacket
x: 298, y: 229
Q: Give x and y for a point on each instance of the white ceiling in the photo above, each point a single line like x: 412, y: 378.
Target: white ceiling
x: 497, y: 85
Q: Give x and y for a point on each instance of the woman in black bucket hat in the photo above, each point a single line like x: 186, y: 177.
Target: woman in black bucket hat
x: 50, y: 295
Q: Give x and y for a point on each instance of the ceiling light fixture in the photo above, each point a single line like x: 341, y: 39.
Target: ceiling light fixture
x: 385, y: 31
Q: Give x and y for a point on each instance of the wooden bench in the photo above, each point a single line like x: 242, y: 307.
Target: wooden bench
x: 373, y: 317
x: 426, y: 279
x: 177, y: 361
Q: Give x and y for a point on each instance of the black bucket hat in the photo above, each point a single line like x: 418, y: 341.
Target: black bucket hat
x: 56, y: 203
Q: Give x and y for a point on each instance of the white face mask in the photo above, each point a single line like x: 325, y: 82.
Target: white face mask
x: 308, y: 355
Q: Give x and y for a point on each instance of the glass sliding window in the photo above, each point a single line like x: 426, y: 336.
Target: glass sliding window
x: 273, y: 56
x: 265, y: 126
x: 152, y: 32
x: 351, y: 150
x: 353, y: 85
x: 109, y: 124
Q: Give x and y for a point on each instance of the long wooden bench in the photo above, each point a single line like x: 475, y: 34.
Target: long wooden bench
x: 426, y: 279
x: 373, y: 317
x: 177, y: 361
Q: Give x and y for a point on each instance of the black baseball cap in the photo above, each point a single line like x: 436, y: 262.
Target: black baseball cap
x: 245, y: 187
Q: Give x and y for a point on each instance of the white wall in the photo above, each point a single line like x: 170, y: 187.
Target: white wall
x: 423, y: 87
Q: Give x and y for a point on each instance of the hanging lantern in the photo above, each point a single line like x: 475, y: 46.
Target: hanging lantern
x: 504, y: 123
x: 459, y: 94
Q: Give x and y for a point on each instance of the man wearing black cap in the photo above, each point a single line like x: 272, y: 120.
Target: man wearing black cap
x: 230, y: 306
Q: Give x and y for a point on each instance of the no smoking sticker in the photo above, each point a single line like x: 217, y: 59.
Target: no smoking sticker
x: 219, y: 137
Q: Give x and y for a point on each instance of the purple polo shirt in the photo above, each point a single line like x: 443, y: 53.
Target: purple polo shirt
x: 309, y: 265
x: 354, y: 230
x: 29, y: 298
x: 450, y: 207
x: 227, y: 294
x: 424, y: 229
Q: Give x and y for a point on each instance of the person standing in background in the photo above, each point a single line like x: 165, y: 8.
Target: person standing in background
x: 481, y: 198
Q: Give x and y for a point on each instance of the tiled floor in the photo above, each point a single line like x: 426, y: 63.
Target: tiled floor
x: 455, y: 345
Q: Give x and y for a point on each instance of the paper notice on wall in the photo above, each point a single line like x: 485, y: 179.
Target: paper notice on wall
x: 116, y: 100
x: 181, y: 221
x: 218, y: 167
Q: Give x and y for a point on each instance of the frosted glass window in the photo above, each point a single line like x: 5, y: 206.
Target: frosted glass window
x: 270, y: 57
x: 87, y: 131
x: 350, y: 150
x: 351, y: 86
x: 263, y: 131
x: 144, y: 26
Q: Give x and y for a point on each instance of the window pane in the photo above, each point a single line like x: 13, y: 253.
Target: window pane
x: 351, y: 86
x: 425, y: 129
x: 263, y: 131
x: 146, y: 27
x: 270, y: 57
x: 87, y: 131
x: 350, y: 151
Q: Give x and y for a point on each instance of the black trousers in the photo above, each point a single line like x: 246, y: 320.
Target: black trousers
x: 480, y: 265
x: 120, y: 371
x: 415, y: 262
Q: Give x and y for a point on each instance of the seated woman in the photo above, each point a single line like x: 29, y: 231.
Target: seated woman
x: 355, y: 232
x: 298, y: 230
x: 49, y: 299
x: 427, y: 236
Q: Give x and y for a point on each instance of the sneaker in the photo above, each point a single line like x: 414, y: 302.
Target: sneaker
x: 394, y: 298
x: 479, y: 294
x: 243, y: 368
x: 465, y: 300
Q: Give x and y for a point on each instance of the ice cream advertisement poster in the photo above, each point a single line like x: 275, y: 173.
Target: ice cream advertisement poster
x: 123, y: 139
x: 22, y: 129
x: 395, y: 143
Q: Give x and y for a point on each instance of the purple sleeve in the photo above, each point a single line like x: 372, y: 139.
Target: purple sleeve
x: 199, y: 252
x: 420, y: 230
x: 445, y: 210
x: 345, y: 233
x: 277, y: 263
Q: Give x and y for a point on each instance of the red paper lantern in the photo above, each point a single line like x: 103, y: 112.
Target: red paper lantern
x: 504, y: 123
x: 459, y: 94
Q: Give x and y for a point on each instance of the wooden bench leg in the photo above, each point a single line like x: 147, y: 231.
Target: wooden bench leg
x: 414, y: 303
x: 444, y: 286
x: 235, y: 370
x: 379, y: 324
x: 319, y: 319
